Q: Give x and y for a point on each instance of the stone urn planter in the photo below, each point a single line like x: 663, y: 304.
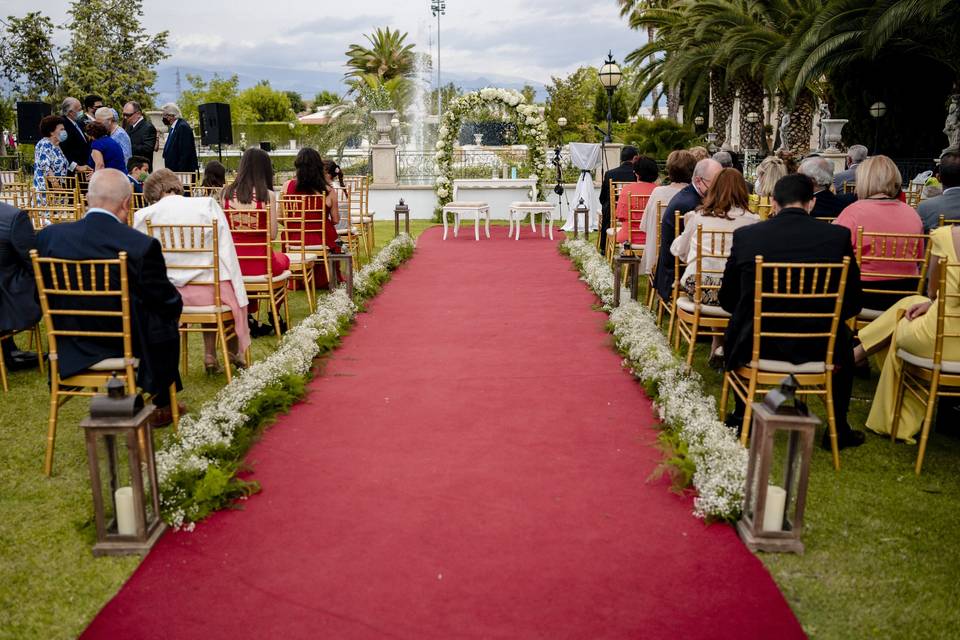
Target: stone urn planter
x: 831, y: 136
x: 384, y: 127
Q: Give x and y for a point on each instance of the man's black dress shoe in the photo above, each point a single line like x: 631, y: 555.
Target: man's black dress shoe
x: 845, y: 439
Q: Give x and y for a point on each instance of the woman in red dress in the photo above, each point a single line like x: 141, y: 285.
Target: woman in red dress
x: 320, y: 206
x: 647, y: 176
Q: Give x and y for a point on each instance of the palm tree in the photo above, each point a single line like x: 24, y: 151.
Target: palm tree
x: 387, y: 57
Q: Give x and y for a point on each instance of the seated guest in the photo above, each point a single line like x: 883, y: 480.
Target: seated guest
x: 252, y: 194
x: 155, y: 304
x: 687, y: 199
x: 724, y: 158
x: 916, y: 333
x: 647, y: 175
x: 138, y: 169
x: 214, y: 175
x: 680, y: 165
x: 164, y: 191
x: 48, y: 159
x: 724, y: 208
x: 948, y: 203
x: 877, y: 210
x: 105, y: 152
x: 19, y: 307
x: 792, y: 236
x: 311, y: 181
x: 769, y: 172
x: 856, y: 154
x: 699, y: 153
x: 623, y: 173
x: 829, y: 204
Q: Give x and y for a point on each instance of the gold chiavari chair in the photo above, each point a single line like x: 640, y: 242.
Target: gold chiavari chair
x: 16, y: 194
x: 367, y: 215
x: 942, y: 220
x: 886, y: 251
x: 200, y: 245
x: 357, y: 187
x: 929, y: 379
x: 788, y: 294
x: 8, y: 335
x: 66, y: 289
x: 137, y: 202
x: 694, y: 318
x: 351, y: 229
x: 636, y: 205
x: 848, y: 187
x: 188, y: 179
x: 294, y: 215
x: 652, y: 275
x: 52, y: 207
x: 250, y: 230
x: 913, y: 194
x: 62, y: 183
x: 10, y: 176
x: 611, y: 242
x: 206, y: 192
x: 669, y: 307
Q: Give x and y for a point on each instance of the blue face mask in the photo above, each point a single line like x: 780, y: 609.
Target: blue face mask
x: 63, y: 136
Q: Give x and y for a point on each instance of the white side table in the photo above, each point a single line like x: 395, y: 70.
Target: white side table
x: 519, y: 209
x: 475, y: 209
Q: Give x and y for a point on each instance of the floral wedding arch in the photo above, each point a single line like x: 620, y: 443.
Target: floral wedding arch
x: 531, y: 129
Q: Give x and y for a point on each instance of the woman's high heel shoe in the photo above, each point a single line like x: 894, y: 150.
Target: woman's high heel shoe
x: 212, y: 368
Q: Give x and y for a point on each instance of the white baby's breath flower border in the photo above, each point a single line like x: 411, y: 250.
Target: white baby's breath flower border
x: 719, y: 459
x: 218, y: 420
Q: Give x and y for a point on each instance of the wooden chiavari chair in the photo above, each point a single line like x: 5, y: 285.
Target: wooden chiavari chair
x: 187, y: 179
x: 202, y: 242
x: 913, y: 194
x: 670, y: 307
x: 10, y: 176
x: 351, y: 228
x: 52, y: 207
x: 62, y: 183
x: 848, y: 187
x: 695, y: 319
x: 8, y: 335
x: 62, y: 285
x: 294, y: 215
x: 206, y: 192
x: 16, y: 194
x: 929, y: 379
x: 652, y: 275
x: 789, y: 293
x: 358, y: 188
x: 942, y: 220
x: 249, y: 233
x: 885, y: 251
x: 611, y: 242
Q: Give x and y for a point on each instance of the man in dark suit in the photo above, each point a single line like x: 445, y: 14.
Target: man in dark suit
x: 180, y: 150
x: 948, y: 203
x: 688, y: 199
x: 143, y: 135
x: 19, y: 308
x: 828, y: 204
x: 76, y: 147
x: 792, y: 235
x: 623, y: 173
x: 155, y: 304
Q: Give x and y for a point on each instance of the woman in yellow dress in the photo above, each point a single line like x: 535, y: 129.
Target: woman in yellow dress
x: 916, y: 333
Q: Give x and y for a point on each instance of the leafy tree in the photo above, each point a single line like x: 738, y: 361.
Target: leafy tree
x: 200, y: 92
x: 28, y: 59
x: 448, y: 92
x: 110, y: 52
x: 529, y: 92
x: 573, y: 98
x: 618, y: 107
x: 325, y: 97
x: 657, y: 138
x: 386, y: 58
x: 263, y: 103
x: 296, y: 101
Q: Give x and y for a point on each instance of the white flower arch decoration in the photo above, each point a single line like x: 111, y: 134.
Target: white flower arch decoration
x: 531, y: 128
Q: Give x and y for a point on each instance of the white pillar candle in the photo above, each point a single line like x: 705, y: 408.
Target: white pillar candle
x: 126, y: 522
x: 773, y: 513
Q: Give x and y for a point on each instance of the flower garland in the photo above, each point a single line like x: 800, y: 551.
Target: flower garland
x: 531, y: 127
x: 719, y: 459
x: 196, y: 469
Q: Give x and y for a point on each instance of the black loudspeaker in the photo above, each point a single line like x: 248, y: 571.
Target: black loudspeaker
x: 267, y: 146
x: 29, y: 115
x: 215, y: 127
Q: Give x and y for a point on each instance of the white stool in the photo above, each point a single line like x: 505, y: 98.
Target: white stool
x: 476, y: 209
x: 519, y: 209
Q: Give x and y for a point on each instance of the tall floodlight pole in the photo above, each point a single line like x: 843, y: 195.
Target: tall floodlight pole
x: 438, y: 8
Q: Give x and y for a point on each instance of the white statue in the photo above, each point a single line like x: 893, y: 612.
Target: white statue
x: 952, y: 126
x: 784, y: 127
x: 824, y: 115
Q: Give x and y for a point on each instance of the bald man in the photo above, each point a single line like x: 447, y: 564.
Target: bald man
x: 687, y: 199
x: 155, y: 304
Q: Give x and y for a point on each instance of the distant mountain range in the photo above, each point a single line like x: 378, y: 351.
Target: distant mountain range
x: 309, y: 83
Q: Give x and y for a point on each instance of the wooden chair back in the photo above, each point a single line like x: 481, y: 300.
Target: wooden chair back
x: 65, y: 183
x: 886, y: 251
x: 944, y: 220
x: 948, y: 309
x: 199, y: 244
x: 636, y: 205
x: 616, y: 187
x: 652, y: 275
x: 10, y: 176
x: 206, y: 192
x: 52, y: 207
x: 16, y: 194
x: 798, y: 302
x: 713, y: 248
x: 248, y: 230
x: 848, y: 187
x: 187, y: 179
x: 913, y: 194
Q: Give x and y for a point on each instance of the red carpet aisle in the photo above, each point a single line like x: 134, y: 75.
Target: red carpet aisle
x: 473, y: 464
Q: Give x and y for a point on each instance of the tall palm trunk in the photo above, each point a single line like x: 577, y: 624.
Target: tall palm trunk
x: 673, y: 102
x: 655, y: 108
x: 801, y: 123
x: 722, y: 98
x: 751, y: 99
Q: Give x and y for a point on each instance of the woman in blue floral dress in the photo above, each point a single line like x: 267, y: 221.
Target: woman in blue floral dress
x: 48, y: 159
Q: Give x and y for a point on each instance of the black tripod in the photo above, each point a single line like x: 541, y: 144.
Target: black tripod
x: 558, y: 188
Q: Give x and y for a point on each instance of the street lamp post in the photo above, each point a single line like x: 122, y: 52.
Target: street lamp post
x: 877, y: 111
x: 610, y: 76
x: 561, y: 123
x: 438, y: 8
x: 753, y: 118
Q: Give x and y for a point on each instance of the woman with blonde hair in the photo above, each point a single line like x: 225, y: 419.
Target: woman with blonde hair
x: 878, y: 210
x: 768, y: 173
x: 699, y: 153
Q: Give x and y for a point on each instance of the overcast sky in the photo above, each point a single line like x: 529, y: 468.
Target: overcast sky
x: 532, y: 40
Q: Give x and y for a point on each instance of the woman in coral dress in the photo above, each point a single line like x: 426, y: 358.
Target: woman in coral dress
x: 320, y: 206
x: 647, y: 176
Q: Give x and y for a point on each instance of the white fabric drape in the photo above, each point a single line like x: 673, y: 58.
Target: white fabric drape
x: 585, y: 157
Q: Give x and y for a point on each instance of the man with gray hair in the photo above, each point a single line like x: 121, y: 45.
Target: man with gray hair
x: 108, y: 118
x: 828, y: 204
x: 856, y: 154
x: 76, y: 147
x: 724, y: 158
x: 180, y: 149
x: 155, y: 304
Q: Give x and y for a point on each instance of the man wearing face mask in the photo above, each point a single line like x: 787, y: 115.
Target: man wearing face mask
x: 76, y: 147
x: 180, y: 149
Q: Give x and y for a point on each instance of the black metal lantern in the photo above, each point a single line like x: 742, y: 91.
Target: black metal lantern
x: 581, y: 210
x: 610, y: 76
x: 773, y: 514
x: 128, y: 516
x: 402, y: 209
